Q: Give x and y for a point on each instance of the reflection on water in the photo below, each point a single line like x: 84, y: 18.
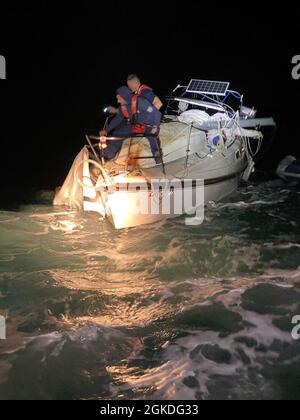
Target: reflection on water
x: 162, y: 311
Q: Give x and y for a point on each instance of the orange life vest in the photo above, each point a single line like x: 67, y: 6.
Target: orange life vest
x: 137, y: 128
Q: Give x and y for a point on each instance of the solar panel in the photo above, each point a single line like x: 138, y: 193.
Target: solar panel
x: 208, y: 87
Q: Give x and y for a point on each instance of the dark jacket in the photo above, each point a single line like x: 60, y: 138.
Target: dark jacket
x: 147, y: 114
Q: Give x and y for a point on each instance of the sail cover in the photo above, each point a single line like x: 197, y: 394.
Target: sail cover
x: 71, y: 193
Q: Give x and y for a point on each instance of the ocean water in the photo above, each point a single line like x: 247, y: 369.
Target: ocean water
x: 158, y: 312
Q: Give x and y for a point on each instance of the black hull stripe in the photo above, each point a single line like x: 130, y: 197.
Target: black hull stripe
x: 213, y: 181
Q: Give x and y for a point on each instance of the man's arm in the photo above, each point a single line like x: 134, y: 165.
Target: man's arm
x: 115, y: 122
x: 157, y: 103
x: 112, y: 110
x: 152, y: 98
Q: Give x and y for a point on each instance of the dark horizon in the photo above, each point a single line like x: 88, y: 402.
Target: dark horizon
x: 64, y: 65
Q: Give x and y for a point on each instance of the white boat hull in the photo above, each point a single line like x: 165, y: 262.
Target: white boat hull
x: 122, y: 217
x: 220, y: 176
x: 190, y: 156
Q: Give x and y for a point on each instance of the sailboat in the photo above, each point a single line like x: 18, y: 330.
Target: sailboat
x: 208, y: 140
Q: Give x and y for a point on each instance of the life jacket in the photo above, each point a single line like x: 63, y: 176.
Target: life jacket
x: 142, y: 88
x: 136, y: 97
x: 137, y: 128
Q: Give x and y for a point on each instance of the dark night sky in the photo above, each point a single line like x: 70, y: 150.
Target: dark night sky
x: 64, y: 64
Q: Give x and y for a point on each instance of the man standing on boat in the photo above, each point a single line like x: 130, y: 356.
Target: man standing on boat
x: 137, y: 88
x: 134, y: 116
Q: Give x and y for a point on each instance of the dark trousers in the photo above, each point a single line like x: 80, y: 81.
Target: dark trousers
x: 115, y: 146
